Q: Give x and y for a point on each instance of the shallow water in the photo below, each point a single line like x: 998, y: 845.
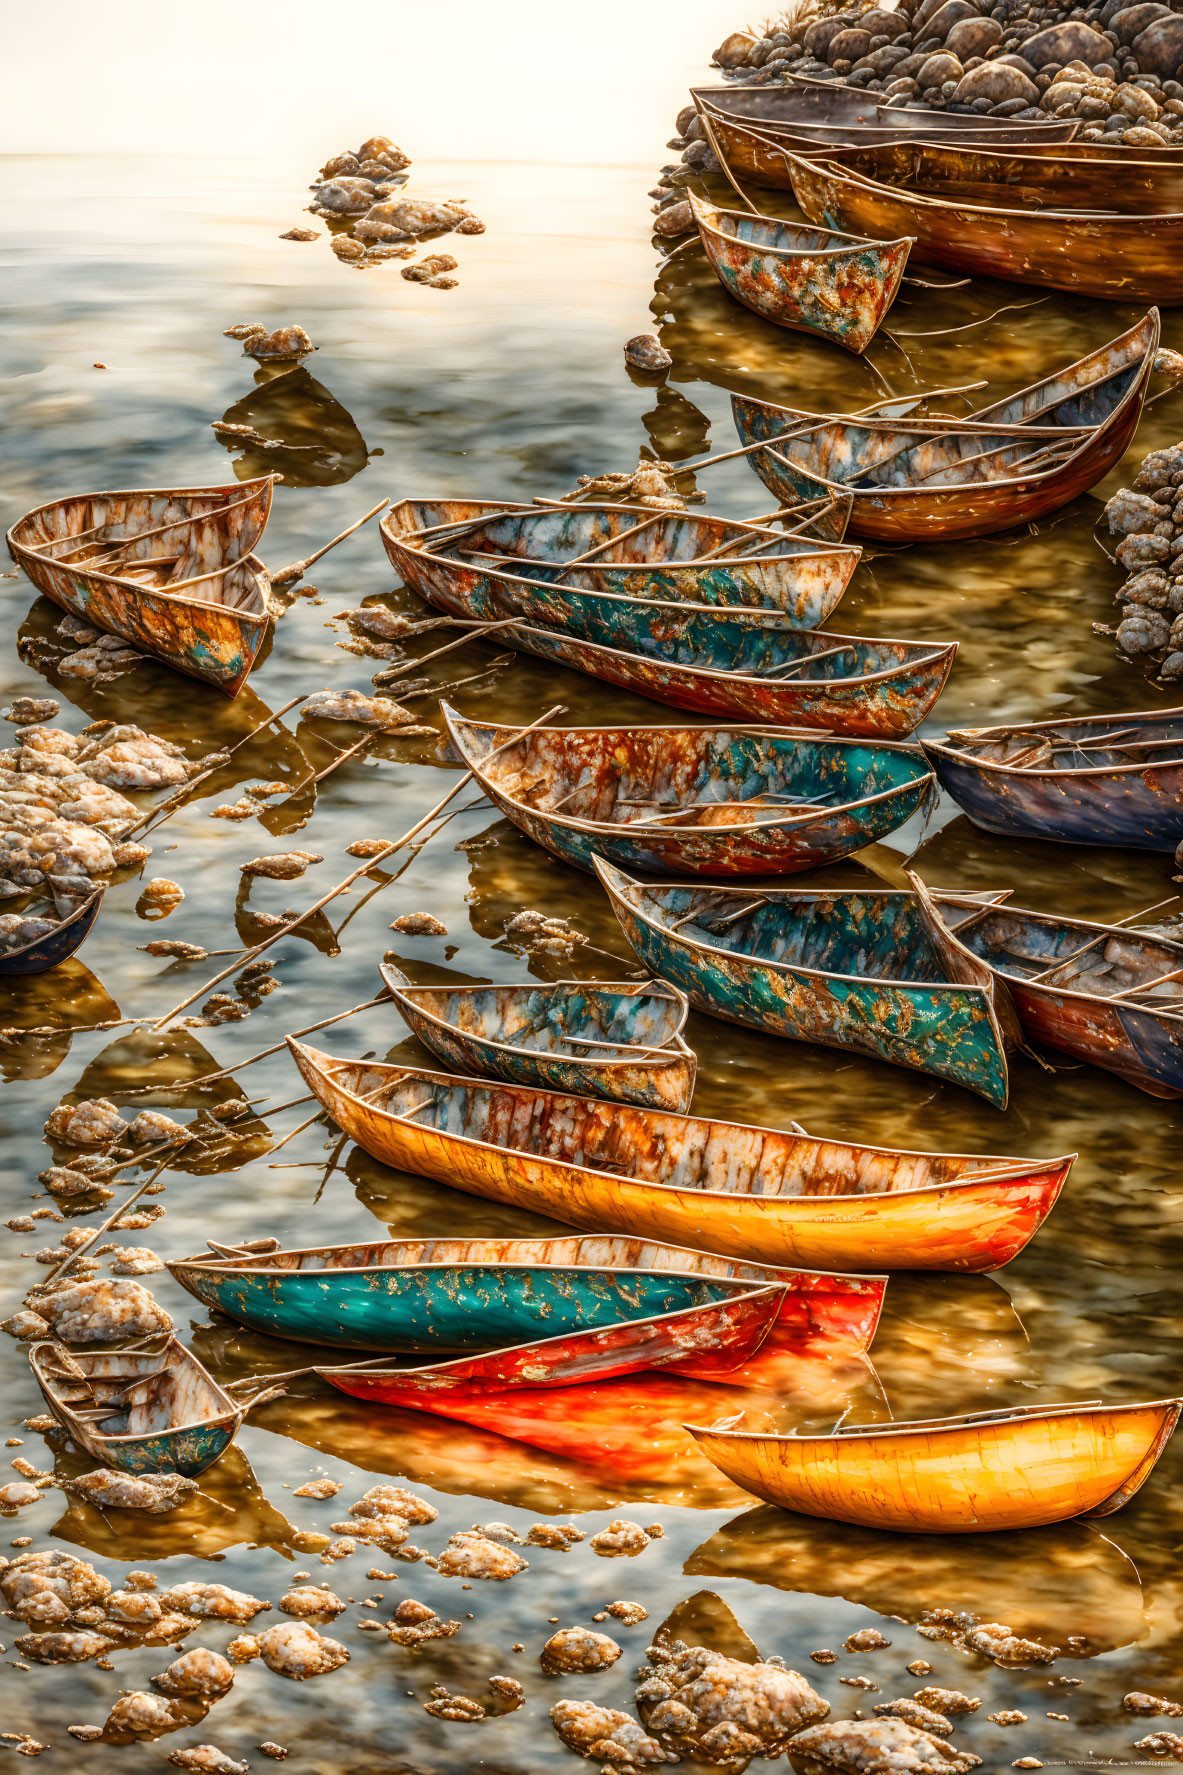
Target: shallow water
x: 513, y: 384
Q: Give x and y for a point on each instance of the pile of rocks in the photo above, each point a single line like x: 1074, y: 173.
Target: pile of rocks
x: 1149, y: 519
x: 361, y: 192
x: 1115, y: 66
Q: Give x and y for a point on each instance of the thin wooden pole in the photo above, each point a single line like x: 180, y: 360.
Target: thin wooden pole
x: 123, y: 1207
x: 397, y: 844
x: 297, y: 569
x: 171, y: 802
x: 208, y: 1078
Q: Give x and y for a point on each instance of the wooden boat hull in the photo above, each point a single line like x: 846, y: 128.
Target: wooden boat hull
x: 471, y: 1294
x: 1106, y: 254
x: 871, y: 1208
x: 947, y: 1029
x: 836, y: 287
x: 715, y: 1337
x: 1137, y: 806
x: 966, y: 1478
x: 829, y: 111
x: 461, y: 1028
x: 1143, y: 1047
x: 877, y: 788
x: 839, y: 453
x: 209, y: 1418
x: 801, y: 577
x: 57, y: 945
x: 209, y: 526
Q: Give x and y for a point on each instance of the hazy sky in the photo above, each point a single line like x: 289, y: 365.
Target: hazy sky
x: 543, y: 80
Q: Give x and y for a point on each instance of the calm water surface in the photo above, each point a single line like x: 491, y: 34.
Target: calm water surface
x: 513, y: 384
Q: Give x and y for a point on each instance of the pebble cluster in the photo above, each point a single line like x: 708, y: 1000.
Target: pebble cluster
x: 360, y: 194
x: 1149, y: 520
x: 1115, y: 67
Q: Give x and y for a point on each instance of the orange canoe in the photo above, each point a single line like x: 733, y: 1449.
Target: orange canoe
x: 791, y: 1200
x: 991, y: 1470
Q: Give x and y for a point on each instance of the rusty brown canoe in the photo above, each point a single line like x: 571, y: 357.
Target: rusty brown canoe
x: 1007, y: 464
x: 812, y: 280
x: 170, y: 570
x: 1104, y: 253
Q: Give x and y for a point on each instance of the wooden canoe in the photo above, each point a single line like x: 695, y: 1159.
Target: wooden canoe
x: 712, y: 1337
x: 703, y: 801
x: 1064, y: 781
x: 170, y: 570
x: 1074, y: 176
x: 467, y: 1294
x: 142, y: 1411
x: 1105, y: 253
x: 792, y: 1200
x: 986, y: 1471
x: 1091, y: 1007
x: 869, y: 973
x: 812, y: 280
x: 817, y: 113
x: 937, y: 480
x: 57, y: 945
x: 512, y: 557
x: 622, y: 1042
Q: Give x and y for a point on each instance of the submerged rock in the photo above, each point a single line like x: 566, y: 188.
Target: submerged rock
x: 298, y: 1651
x: 156, y: 1493
x: 646, y: 352
x: 579, y: 1649
x: 199, y: 1673
x: 469, y: 1555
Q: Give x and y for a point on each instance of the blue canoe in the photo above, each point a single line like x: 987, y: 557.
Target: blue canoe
x: 873, y: 973
x: 57, y: 945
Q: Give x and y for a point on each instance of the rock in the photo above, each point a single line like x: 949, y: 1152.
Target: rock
x: 297, y: 1651
x: 1145, y: 632
x: 281, y: 865
x: 206, y: 1759
x: 1128, y: 22
x: 646, y: 352
x: 1001, y: 85
x: 620, y: 1539
x: 419, y: 924
x: 561, y: 1535
x: 879, y: 23
x: 1172, y: 667
x: 429, y: 269
x: 155, y: 1493
x: 199, y: 1673
x: 393, y: 1500
x: 469, y: 1555
x: 63, y: 1180
x: 28, y: 1327
x: 1150, y: 587
x: 446, y: 1706
x: 413, y: 1622
x: 947, y: 1700
x: 849, y: 45
x: 1072, y: 41
x: 152, y: 1128
x: 941, y: 21
x: 606, y: 1734
x: 213, y: 1602
x: 102, y: 1312
x: 1137, y: 1702
x: 628, y: 1612
x: 733, y: 51
x: 318, y: 1488
x: 32, y: 708
x: 1136, y: 103
x: 139, y: 1712
x: 996, y: 1641
x: 416, y: 216
x: 62, y: 1648
x: 306, y: 1601
x: 875, y: 1747
x: 93, y: 1122
x: 1128, y: 513
x: 301, y: 234
x: 283, y: 344
x: 914, y: 1713
x: 1161, y: 1744
x: 1142, y: 136
x: 706, y: 1706
x: 16, y: 1495
x: 676, y: 219
x: 867, y: 1639
x: 1141, y: 551
x: 1159, y: 48
x: 575, y: 1649
x: 973, y: 36
x: 937, y: 69
x: 353, y: 705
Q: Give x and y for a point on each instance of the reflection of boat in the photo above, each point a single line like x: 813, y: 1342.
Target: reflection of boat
x: 57, y: 945
x: 1023, y: 1467
x: 1091, y: 779
x: 143, y: 1411
x: 872, y: 973
x: 810, y: 279
x: 290, y: 425
x: 937, y: 479
x: 481, y: 557
x: 464, y: 1294
x: 1102, y: 993
x: 171, y: 570
x: 709, y: 801
x: 1051, y: 1583
x: 752, y: 1193
x: 55, y: 1003
x: 596, y: 1040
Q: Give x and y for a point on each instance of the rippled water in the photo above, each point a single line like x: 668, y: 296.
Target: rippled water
x: 513, y: 384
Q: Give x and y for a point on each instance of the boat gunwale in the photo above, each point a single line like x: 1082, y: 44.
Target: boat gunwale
x: 1017, y: 1169
x: 650, y: 829
x: 233, y: 1409
x: 663, y: 1057
x: 1003, y: 731
x: 96, y: 895
x: 937, y: 1426
x: 1125, y: 1008
x: 1049, y: 130
x: 821, y: 546
x: 857, y: 243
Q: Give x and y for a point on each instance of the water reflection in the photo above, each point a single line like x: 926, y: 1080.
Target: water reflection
x: 228, y: 1510
x: 62, y: 999
x: 1046, y: 1584
x: 291, y: 426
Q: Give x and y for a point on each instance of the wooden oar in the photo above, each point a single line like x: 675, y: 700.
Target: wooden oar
x: 1101, y: 937
x: 370, y: 862
x: 297, y: 569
